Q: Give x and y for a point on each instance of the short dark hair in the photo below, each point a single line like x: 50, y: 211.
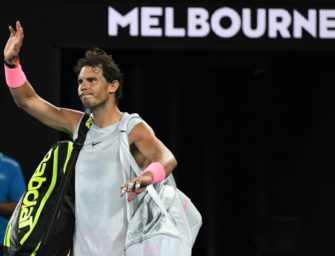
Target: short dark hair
x: 97, y: 57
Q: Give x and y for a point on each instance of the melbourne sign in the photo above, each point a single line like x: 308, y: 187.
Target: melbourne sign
x: 223, y: 22
x: 225, y: 27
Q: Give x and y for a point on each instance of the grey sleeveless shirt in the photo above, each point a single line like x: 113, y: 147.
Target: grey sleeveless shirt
x: 101, y: 220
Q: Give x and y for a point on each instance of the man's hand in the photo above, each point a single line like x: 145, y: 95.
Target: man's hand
x: 14, y: 43
x: 136, y: 185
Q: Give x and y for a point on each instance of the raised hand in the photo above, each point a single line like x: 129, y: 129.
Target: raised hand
x: 14, y: 43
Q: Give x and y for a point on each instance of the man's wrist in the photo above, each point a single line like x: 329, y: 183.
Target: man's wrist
x: 13, y: 62
x: 156, y: 170
x: 15, y: 77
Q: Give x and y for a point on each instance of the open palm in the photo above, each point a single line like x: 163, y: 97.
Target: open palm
x: 14, y: 42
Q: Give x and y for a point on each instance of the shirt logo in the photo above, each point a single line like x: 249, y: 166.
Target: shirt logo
x: 96, y: 143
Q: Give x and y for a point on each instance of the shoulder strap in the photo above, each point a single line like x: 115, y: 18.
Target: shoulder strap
x: 84, y: 126
x: 127, y: 159
x: 125, y: 120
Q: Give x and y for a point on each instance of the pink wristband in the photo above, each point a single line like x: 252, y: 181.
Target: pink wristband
x: 157, y: 170
x: 15, y: 77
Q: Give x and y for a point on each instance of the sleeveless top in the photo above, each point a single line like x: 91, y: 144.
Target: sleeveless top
x: 101, y: 220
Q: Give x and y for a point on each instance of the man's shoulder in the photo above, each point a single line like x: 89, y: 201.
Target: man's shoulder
x: 130, y: 120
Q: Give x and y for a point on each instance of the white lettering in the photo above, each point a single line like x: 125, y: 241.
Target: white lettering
x: 197, y: 22
x: 234, y: 18
x: 260, y: 23
x: 115, y: 19
x: 279, y: 22
x: 327, y: 23
x: 224, y: 22
x: 170, y: 29
x: 300, y: 23
x: 150, y: 21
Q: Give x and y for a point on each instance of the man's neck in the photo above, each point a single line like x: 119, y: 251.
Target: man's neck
x: 103, y: 117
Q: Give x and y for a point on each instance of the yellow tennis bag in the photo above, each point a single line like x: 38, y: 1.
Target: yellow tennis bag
x: 43, y: 221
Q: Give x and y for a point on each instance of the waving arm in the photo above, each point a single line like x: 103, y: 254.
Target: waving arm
x: 24, y: 94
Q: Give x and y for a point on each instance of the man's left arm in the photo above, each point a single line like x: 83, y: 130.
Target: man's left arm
x: 152, y: 148
x: 160, y: 160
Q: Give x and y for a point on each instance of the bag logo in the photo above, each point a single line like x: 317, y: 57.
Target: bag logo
x: 30, y: 198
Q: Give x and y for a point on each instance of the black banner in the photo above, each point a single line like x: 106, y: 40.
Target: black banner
x: 211, y: 26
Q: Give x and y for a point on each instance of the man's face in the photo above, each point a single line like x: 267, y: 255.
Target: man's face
x: 93, y: 88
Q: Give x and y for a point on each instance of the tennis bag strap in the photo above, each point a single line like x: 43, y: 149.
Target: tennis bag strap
x: 128, y: 161
x: 43, y: 221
